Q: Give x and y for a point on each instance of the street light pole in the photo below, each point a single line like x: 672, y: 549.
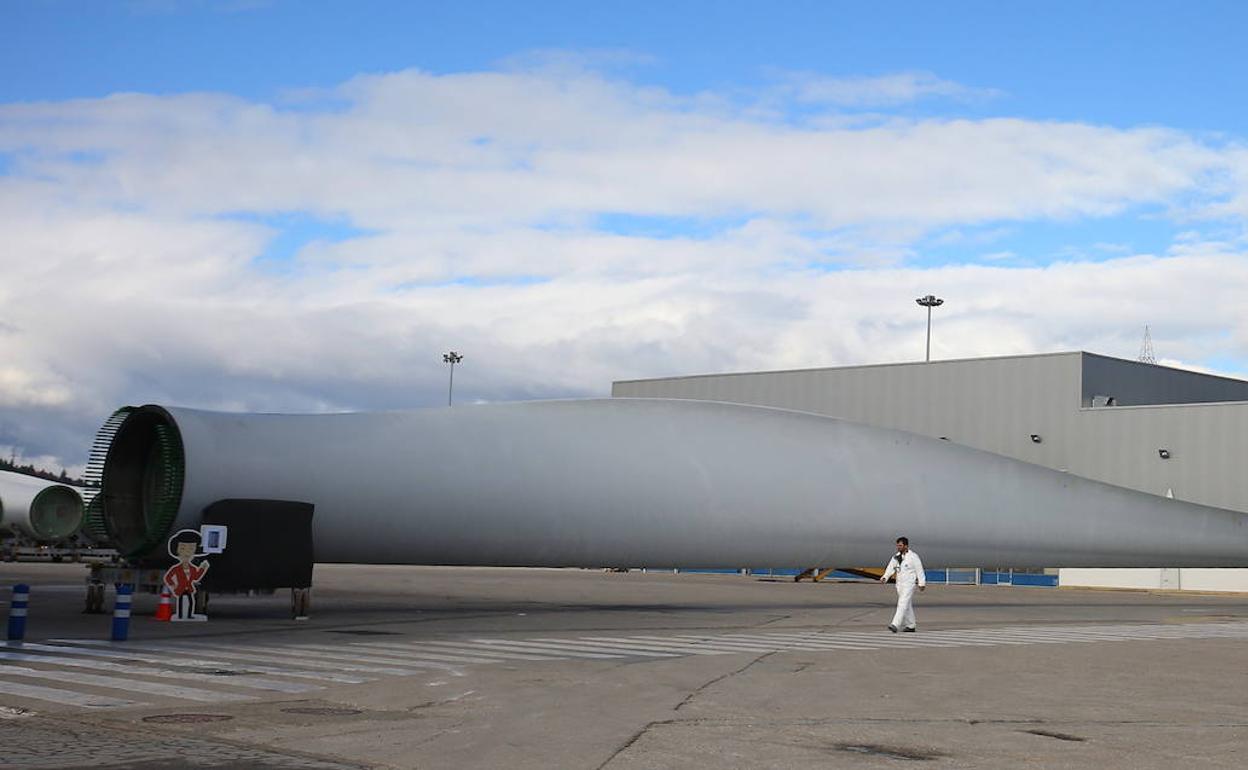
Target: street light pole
x: 451, y: 358
x: 929, y: 302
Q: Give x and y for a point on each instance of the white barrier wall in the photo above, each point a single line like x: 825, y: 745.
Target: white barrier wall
x: 1110, y: 578
x: 1186, y: 579
x: 1213, y: 579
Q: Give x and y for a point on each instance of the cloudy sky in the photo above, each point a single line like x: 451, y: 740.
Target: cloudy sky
x: 299, y: 206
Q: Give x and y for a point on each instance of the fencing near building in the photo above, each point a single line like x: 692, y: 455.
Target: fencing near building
x: 953, y: 576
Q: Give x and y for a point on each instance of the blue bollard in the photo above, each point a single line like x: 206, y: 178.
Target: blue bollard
x: 17, y: 612
x: 121, y: 614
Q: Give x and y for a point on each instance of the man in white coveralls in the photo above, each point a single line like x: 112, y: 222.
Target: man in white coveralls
x: 908, y: 568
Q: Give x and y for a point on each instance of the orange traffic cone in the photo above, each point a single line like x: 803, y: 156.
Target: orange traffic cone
x: 164, y: 608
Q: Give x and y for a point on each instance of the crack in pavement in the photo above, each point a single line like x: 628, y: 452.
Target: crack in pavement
x: 721, y: 678
x: 693, y: 694
x: 637, y: 736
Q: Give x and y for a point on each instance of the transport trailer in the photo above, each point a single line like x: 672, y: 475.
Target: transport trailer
x: 150, y: 580
x: 15, y: 550
x: 16, y: 545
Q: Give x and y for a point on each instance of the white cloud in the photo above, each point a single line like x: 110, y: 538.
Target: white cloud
x: 492, y: 150
x: 881, y: 91
x: 129, y: 276
x: 22, y: 387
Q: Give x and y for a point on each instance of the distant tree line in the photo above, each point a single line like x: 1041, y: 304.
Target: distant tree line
x: 31, y: 470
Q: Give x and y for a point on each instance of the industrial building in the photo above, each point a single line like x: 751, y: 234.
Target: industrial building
x: 1166, y: 431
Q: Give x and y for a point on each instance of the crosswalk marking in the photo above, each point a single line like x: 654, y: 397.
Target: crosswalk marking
x: 1049, y: 637
x: 990, y: 640
x: 64, y: 697
x: 898, y: 641
x: 466, y: 647
x: 792, y: 643
x: 503, y: 644
x: 1085, y: 636
x: 609, y: 647
x: 252, y: 682
x: 223, y: 650
x: 177, y: 657
x: 768, y: 641
x: 418, y: 657
x: 217, y: 670
x: 698, y: 643
x: 818, y: 642
x: 127, y: 651
x: 903, y: 639
x: 829, y: 642
x: 776, y: 642
x: 313, y: 657
x: 915, y: 640
x: 127, y: 685
x: 723, y: 644
x: 330, y: 653
x: 460, y: 651
x: 564, y: 646
x: 993, y: 637
x: 674, y: 646
x: 340, y: 653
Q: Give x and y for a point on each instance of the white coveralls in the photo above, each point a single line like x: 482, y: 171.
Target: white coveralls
x: 909, y: 574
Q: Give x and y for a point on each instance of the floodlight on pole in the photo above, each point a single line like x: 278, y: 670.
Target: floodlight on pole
x: 929, y: 302
x: 451, y: 358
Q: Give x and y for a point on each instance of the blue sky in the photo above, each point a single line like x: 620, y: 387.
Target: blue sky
x: 298, y: 206
x: 1122, y: 64
x: 1113, y: 62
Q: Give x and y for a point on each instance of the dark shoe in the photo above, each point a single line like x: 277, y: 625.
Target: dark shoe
x: 910, y: 630
x: 892, y: 628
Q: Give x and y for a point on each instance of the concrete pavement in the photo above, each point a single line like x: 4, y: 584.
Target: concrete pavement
x: 481, y: 668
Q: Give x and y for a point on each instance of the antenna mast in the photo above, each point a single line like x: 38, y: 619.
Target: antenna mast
x: 1147, y: 355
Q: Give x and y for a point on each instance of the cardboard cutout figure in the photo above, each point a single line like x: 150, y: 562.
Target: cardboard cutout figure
x: 183, y: 578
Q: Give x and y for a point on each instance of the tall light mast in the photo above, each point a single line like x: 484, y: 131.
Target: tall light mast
x: 451, y: 358
x: 929, y: 302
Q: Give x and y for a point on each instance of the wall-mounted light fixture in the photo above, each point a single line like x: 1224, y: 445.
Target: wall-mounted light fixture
x: 1035, y: 438
x: 1163, y: 454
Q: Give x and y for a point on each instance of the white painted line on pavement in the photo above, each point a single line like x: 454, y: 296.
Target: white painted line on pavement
x: 64, y: 697
x: 125, y: 685
x: 179, y: 659
x: 255, y: 683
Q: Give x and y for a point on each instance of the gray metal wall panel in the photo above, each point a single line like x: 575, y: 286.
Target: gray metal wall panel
x: 996, y: 404
x: 1134, y: 384
x: 992, y: 404
x: 1208, y: 444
